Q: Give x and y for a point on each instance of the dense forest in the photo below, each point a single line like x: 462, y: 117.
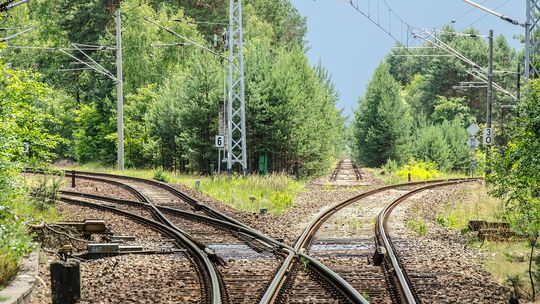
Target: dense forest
x: 414, y: 109
x: 173, y: 88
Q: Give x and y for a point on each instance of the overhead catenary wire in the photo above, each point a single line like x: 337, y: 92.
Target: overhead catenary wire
x: 485, y: 15
x: 431, y: 38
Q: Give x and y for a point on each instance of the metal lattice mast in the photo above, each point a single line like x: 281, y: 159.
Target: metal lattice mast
x: 532, y: 40
x: 236, y: 114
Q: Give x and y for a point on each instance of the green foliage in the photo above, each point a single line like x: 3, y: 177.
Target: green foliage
x: 274, y: 192
x: 161, y: 176
x: 442, y: 144
x: 8, y: 266
x: 418, y: 226
x: 428, y: 78
x: 418, y: 170
x: 448, y: 220
x: 23, y: 100
x: 516, y: 173
x: 46, y: 192
x: 452, y: 109
x: 382, y: 122
x: 173, y: 91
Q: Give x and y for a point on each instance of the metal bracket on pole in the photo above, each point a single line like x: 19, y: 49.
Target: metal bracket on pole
x: 236, y: 114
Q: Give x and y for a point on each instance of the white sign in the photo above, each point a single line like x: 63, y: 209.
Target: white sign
x: 473, y: 142
x: 488, y: 136
x: 220, y: 141
x: 473, y: 129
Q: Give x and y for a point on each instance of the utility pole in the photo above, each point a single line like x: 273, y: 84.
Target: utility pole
x: 119, y: 91
x: 518, y: 86
x: 489, y: 105
x: 236, y: 113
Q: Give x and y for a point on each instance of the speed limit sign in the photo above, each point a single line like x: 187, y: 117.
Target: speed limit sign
x: 220, y: 141
x: 488, y: 136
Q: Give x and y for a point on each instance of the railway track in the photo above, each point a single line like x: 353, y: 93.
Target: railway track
x: 346, y: 171
x: 353, y: 259
x: 203, y: 271
x: 237, y: 283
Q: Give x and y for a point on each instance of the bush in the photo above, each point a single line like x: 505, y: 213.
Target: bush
x: 418, y: 170
x: 391, y: 166
x: 161, y: 176
x: 443, y: 144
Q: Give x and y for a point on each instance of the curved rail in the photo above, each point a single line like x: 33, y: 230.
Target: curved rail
x: 226, y: 221
x: 311, y: 229
x: 275, y: 285
x: 406, y: 292
x: 202, y: 259
x: 185, y: 197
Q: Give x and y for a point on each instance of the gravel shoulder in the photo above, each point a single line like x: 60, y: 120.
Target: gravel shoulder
x: 444, y: 268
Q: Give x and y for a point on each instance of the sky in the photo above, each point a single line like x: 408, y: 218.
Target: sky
x: 350, y: 46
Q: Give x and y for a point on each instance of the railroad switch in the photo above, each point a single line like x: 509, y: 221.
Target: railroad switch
x: 211, y: 253
x: 88, y: 227
x: 122, y: 238
x: 378, y: 256
x: 101, y: 250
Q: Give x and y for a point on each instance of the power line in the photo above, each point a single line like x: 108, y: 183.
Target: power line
x: 429, y: 37
x: 485, y: 15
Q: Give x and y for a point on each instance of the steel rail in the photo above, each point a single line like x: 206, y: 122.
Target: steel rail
x: 272, y: 243
x: 185, y: 197
x: 211, y: 287
x: 407, y: 293
x: 305, y: 238
x: 336, y: 171
x: 331, y: 275
x: 291, y: 254
x: 335, y: 278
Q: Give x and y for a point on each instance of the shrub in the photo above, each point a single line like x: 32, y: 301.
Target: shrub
x: 161, y: 176
x: 418, y: 170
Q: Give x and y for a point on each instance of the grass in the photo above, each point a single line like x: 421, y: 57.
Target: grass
x: 479, y: 206
x: 507, y: 261
x: 418, y: 226
x: 8, y: 265
x: 17, y: 211
x: 274, y: 192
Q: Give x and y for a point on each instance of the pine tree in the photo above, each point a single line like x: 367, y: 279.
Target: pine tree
x: 382, y: 122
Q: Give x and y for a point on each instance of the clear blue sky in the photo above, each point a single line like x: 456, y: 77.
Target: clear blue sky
x: 351, y: 47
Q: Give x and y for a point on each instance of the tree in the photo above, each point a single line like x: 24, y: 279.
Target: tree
x: 443, y: 144
x: 382, y: 123
x: 516, y: 174
x: 451, y: 109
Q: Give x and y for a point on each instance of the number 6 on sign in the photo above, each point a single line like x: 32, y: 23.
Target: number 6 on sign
x: 220, y: 141
x: 488, y: 136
